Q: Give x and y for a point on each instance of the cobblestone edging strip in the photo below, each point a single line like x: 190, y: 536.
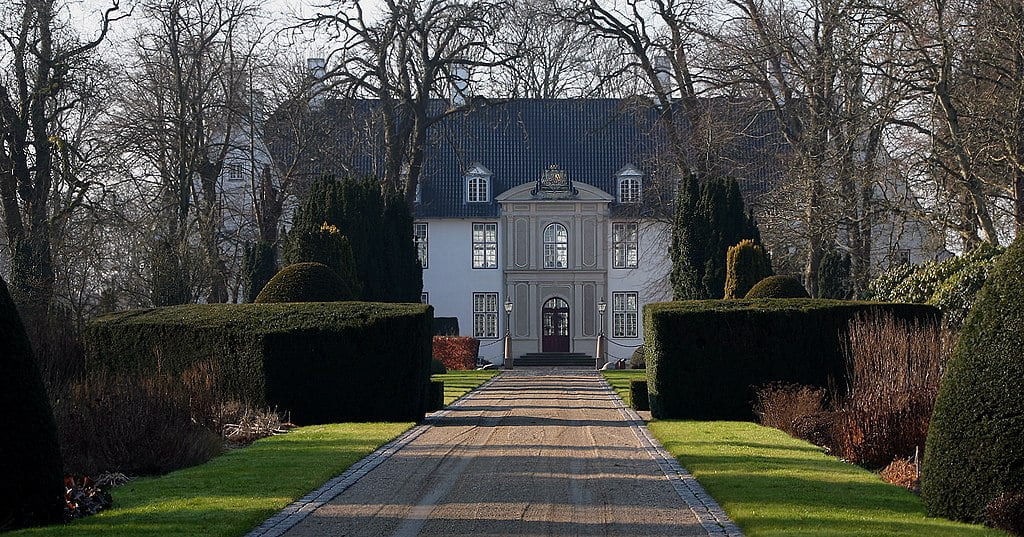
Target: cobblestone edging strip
x: 290, y: 516
x: 710, y: 515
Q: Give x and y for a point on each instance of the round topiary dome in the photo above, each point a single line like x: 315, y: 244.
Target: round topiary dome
x: 305, y: 282
x: 974, y: 449
x: 778, y: 287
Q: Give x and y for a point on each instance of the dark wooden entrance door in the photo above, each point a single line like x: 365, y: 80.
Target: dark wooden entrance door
x: 555, y: 320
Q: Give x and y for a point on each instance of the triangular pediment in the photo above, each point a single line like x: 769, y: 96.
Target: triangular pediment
x: 524, y: 193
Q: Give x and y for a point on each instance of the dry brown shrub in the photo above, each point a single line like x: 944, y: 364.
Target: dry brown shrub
x: 135, y: 424
x: 1006, y: 512
x: 894, y: 371
x: 904, y: 473
x: 779, y: 405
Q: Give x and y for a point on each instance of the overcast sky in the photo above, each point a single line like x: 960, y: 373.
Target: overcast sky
x: 86, y: 14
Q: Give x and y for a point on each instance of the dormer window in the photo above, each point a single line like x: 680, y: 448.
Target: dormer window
x: 629, y: 183
x: 478, y: 184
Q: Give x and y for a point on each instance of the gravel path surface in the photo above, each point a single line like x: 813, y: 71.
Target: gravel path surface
x: 531, y: 453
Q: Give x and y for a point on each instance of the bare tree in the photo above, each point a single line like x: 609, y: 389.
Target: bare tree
x: 181, y: 110
x: 41, y: 61
x: 407, y: 58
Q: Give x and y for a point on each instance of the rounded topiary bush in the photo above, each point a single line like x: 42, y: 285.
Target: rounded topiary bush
x: 305, y: 282
x: 30, y: 461
x: 639, y: 358
x: 975, y: 446
x: 778, y: 287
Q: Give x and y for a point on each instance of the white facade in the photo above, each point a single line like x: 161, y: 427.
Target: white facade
x: 532, y: 269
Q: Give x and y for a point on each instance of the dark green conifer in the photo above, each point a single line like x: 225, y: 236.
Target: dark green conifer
x: 30, y: 462
x: 378, y: 234
x: 259, y: 266
x: 974, y: 449
x: 710, y: 218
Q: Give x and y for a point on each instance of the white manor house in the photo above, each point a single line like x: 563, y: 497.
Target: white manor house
x: 552, y: 208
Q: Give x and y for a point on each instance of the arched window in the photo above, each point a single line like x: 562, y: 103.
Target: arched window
x: 629, y: 189
x: 478, y: 184
x: 556, y: 246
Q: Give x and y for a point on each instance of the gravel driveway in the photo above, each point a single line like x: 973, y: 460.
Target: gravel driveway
x: 531, y: 453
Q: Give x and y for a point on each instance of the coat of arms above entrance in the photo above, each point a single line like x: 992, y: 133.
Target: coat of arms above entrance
x: 554, y: 183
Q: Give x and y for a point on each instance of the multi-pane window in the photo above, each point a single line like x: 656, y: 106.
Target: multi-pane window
x: 556, y: 246
x: 485, y: 315
x: 235, y: 173
x: 629, y: 190
x: 625, y: 244
x: 624, y: 314
x: 419, y: 236
x: 476, y: 189
x: 485, y: 245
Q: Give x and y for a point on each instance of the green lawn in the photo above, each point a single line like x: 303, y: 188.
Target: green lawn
x: 459, y: 383
x: 773, y: 485
x: 238, y: 490
x: 619, y: 379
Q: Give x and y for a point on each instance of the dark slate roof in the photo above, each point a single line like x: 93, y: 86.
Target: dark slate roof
x: 590, y: 139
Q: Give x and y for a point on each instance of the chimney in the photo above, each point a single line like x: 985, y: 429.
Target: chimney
x: 317, y: 72
x: 460, y: 79
x: 663, y: 70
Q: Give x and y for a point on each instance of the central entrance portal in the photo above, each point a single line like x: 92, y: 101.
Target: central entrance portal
x: 555, y: 319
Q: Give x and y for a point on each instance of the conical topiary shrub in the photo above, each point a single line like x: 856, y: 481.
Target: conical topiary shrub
x: 306, y: 282
x: 778, y: 287
x: 31, y: 470
x: 745, y: 264
x: 975, y: 446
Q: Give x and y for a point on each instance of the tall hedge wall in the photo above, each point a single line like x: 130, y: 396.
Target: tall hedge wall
x: 705, y: 357
x: 322, y: 361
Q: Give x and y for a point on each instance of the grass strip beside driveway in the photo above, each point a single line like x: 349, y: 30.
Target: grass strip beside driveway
x: 773, y: 485
x: 619, y: 379
x: 234, y: 492
x: 459, y: 383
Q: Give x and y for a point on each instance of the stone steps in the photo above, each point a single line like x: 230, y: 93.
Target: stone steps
x: 554, y: 359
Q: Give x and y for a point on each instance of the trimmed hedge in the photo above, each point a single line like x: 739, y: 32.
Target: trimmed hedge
x: 778, y: 287
x: 30, y: 463
x: 975, y: 446
x: 457, y: 353
x: 305, y: 282
x: 705, y: 357
x: 638, y: 394
x: 446, y: 326
x: 324, y: 362
x: 436, y: 396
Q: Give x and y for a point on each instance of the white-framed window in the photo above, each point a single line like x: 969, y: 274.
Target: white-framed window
x: 624, y: 314
x: 424, y: 298
x: 419, y: 236
x: 485, y: 315
x: 234, y: 172
x: 476, y: 189
x: 629, y: 189
x: 485, y: 245
x: 625, y: 244
x: 556, y: 246
x: 478, y: 184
